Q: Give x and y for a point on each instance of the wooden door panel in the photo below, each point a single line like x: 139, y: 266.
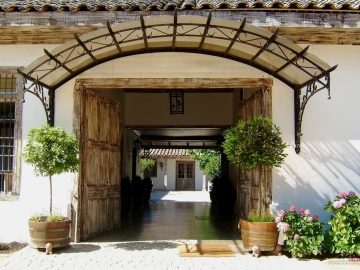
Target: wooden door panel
x: 101, y: 161
x: 185, y: 175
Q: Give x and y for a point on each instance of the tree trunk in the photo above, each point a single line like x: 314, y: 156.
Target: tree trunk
x: 50, y: 194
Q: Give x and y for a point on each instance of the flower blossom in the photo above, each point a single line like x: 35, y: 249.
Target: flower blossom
x: 281, y: 213
x: 310, y: 219
x: 342, y: 194
x: 351, y: 194
x: 337, y: 204
x: 278, y: 219
x: 283, y: 226
x: 296, y: 236
x: 342, y: 200
x: 315, y: 216
x: 307, y: 212
x: 301, y: 211
x: 292, y: 208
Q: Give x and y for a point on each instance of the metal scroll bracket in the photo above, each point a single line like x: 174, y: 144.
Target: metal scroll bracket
x: 302, y: 94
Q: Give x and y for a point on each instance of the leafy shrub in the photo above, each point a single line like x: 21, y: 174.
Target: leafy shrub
x: 53, y: 217
x: 303, y: 232
x: 343, y: 236
x: 255, y: 216
x: 147, y: 164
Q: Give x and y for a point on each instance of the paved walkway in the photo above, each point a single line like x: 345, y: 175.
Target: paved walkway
x: 151, y: 244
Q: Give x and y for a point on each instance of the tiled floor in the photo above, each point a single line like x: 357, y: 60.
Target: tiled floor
x: 174, y: 216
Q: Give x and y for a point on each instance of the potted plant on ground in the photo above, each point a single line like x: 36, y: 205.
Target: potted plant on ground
x: 125, y: 196
x: 50, y: 150
x: 137, y: 192
x: 255, y: 144
x: 148, y: 187
x: 225, y: 196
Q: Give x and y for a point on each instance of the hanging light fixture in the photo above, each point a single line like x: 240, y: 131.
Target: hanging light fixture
x: 176, y: 103
x: 137, y: 144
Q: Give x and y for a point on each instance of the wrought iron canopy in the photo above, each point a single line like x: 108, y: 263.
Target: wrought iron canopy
x: 230, y: 39
x: 239, y: 41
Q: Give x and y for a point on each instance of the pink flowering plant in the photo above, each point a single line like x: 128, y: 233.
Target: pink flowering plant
x: 303, y: 232
x: 343, y: 236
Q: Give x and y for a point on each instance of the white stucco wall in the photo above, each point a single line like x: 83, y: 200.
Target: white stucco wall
x: 329, y: 158
x: 159, y: 183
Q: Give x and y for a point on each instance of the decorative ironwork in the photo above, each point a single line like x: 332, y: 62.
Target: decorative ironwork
x: 57, y: 61
x: 176, y: 103
x: 205, y: 33
x: 82, y: 44
x: 248, y: 44
x: 302, y: 96
x: 112, y: 34
x: 47, y: 100
x: 236, y: 36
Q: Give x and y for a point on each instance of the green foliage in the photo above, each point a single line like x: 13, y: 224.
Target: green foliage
x: 209, y: 161
x: 147, y: 164
x: 343, y: 236
x: 254, y: 144
x: 303, y: 232
x: 256, y: 216
x: 53, y: 217
x: 51, y: 151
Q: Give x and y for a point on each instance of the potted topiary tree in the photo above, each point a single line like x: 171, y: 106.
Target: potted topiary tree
x: 50, y: 150
x: 256, y: 144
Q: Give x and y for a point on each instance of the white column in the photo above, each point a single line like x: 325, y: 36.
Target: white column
x: 204, y: 188
x: 165, y: 174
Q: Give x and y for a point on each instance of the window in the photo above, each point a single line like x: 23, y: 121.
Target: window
x: 10, y: 131
x: 7, y: 121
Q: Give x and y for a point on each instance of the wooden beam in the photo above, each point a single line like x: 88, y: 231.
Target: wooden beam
x: 300, y: 35
x: 172, y: 83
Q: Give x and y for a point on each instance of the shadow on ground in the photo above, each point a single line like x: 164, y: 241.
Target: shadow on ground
x: 158, y: 245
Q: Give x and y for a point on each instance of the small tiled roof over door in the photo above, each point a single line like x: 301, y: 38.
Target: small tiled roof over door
x: 74, y: 5
x: 165, y: 153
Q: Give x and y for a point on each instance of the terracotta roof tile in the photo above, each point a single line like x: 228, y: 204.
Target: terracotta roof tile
x: 166, y: 153
x: 42, y: 5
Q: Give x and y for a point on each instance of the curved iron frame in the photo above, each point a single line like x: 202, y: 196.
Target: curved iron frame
x: 320, y: 78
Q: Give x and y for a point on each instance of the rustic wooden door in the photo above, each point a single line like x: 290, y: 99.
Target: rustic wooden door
x: 185, y: 175
x: 248, y: 183
x: 100, y: 165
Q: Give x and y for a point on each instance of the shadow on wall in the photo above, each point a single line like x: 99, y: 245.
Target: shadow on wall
x: 313, y: 178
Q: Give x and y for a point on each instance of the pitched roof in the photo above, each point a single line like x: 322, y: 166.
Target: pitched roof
x: 44, y: 5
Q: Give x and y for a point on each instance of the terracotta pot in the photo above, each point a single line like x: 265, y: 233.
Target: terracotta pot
x: 262, y: 234
x: 56, y: 233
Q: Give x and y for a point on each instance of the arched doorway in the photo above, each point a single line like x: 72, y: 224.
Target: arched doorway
x: 223, y: 38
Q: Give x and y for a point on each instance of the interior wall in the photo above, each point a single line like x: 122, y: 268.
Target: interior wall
x: 199, y: 109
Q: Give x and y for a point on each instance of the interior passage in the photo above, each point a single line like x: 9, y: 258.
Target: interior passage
x: 175, y: 215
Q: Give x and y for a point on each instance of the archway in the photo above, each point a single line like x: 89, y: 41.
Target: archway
x: 248, y: 44
x: 240, y: 42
